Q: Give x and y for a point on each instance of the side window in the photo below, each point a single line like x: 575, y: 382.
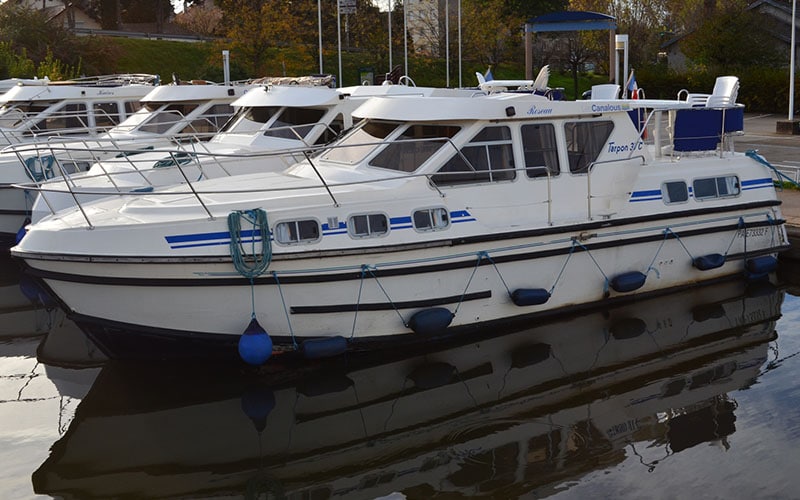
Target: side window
x: 132, y: 107
x: 540, y: 149
x: 70, y: 119
x: 585, y: 142
x: 715, y: 187
x: 413, y: 147
x: 431, y: 219
x: 488, y: 157
x: 106, y: 114
x: 674, y: 192
x: 299, y: 231
x: 368, y: 225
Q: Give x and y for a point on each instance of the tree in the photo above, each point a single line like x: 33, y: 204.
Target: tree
x: 203, y: 19
x: 733, y: 40
x: 489, y: 35
x: 254, y: 28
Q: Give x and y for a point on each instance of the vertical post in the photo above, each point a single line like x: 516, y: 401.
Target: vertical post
x: 405, y: 38
x: 319, y: 24
x: 390, y: 35
x: 459, y: 44
x: 226, y: 66
x: 528, y: 54
x: 791, y: 64
x: 339, y: 36
x: 447, y: 41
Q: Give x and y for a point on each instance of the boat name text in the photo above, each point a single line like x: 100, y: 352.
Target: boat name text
x: 605, y: 108
x: 534, y: 111
x: 615, y: 148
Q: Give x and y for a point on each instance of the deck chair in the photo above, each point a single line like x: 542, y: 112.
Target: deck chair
x: 605, y: 91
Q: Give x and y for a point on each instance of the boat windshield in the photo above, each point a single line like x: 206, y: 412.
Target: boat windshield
x: 162, y: 121
x: 249, y: 120
x: 295, y: 123
x: 357, y: 144
x: 13, y: 115
x: 408, y: 151
x: 142, y: 115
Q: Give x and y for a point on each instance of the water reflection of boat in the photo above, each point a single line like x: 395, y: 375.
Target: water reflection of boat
x: 498, y: 416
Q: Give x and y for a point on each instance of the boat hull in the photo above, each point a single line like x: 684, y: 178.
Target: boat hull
x: 372, y: 298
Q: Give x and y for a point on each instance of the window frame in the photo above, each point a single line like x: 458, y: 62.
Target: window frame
x: 299, y: 241
x: 432, y: 227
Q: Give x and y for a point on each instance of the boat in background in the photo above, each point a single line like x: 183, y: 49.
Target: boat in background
x: 515, y: 412
x: 170, y: 115
x: 46, y: 110
x: 433, y: 216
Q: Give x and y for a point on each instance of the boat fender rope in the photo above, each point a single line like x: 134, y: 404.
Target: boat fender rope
x: 285, y: 309
x: 563, y: 267
x: 480, y: 256
x: 752, y: 153
x: 252, y: 264
x: 605, y: 277
x: 371, y: 270
x: 484, y: 254
x: 358, y: 301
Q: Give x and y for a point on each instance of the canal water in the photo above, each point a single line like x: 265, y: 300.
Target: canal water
x: 694, y: 393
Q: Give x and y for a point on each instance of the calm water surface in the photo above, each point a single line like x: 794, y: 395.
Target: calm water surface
x: 696, y: 393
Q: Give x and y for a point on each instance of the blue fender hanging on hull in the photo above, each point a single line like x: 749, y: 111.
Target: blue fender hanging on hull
x: 324, y: 347
x: 708, y: 262
x: 430, y: 321
x: 530, y: 296
x: 758, y: 267
x: 628, y: 282
x: 255, y: 346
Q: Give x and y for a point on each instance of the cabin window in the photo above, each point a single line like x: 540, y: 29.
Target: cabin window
x: 298, y: 231
x: 165, y: 119
x: 295, y: 123
x: 368, y: 225
x: 488, y: 157
x: 715, y: 187
x: 132, y: 107
x: 540, y: 149
x: 106, y: 114
x: 585, y: 142
x: 69, y: 119
x: 360, y: 142
x: 249, y: 120
x: 211, y: 121
x: 408, y: 151
x: 431, y: 219
x: 675, y: 192
x: 332, y: 131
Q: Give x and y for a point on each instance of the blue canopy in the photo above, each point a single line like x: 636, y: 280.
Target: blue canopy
x: 571, y: 21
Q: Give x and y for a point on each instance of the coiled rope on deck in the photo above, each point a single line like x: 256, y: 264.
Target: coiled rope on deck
x: 250, y: 263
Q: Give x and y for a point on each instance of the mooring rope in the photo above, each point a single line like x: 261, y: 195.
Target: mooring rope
x: 252, y: 264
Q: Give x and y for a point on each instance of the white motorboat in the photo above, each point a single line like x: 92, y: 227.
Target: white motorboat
x: 274, y: 127
x: 44, y: 110
x: 522, y: 411
x: 170, y: 115
x: 431, y: 216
